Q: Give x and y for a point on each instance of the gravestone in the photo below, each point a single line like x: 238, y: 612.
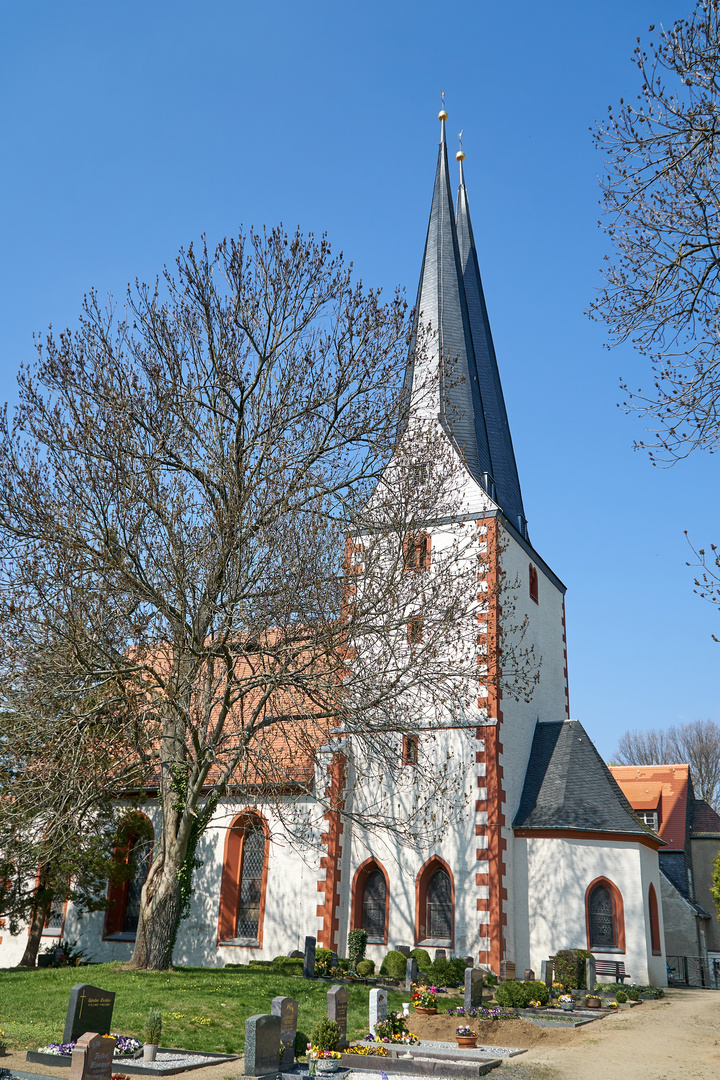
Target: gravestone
x: 333, y: 960
x: 296, y: 955
x: 411, y: 972
x: 590, y: 975
x: 404, y: 949
x: 89, y: 1009
x: 309, y: 965
x: 92, y: 1058
x: 473, y: 988
x: 507, y: 970
x: 546, y: 972
x: 439, y: 954
x: 378, y: 1007
x: 529, y: 975
x: 262, y: 1044
x: 337, y: 1007
x: 287, y: 1009
x: 469, y: 961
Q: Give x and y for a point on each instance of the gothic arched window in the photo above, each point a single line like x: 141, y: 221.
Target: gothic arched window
x: 654, y: 922
x: 251, y: 875
x: 121, y: 919
x: 244, y: 876
x: 605, y: 919
x: 438, y: 905
x: 140, y: 851
x: 374, y: 903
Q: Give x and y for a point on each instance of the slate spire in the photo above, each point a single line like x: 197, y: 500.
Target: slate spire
x: 442, y: 305
x: 502, y: 456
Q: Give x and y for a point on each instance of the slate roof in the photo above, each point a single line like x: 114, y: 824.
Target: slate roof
x: 502, y: 455
x: 705, y: 821
x: 569, y: 786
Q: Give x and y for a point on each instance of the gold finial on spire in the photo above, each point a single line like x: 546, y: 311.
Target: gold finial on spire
x: 442, y: 115
x: 460, y: 156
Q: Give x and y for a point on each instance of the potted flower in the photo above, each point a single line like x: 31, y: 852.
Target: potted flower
x: 567, y: 1002
x: 465, y: 1037
x: 152, y: 1032
x: 534, y: 1004
x: 592, y: 1001
x: 324, y: 1061
x: 425, y: 1000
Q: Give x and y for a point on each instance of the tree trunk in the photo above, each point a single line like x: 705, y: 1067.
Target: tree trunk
x: 158, y: 920
x: 40, y: 913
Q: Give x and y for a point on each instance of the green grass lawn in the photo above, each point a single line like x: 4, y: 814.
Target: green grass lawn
x: 202, y: 1008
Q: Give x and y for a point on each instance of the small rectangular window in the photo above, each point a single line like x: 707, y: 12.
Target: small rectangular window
x: 650, y: 818
x: 410, y: 745
x: 415, y: 630
x: 416, y: 552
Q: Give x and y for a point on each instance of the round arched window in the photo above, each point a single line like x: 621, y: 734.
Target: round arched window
x: 438, y: 906
x: 251, y: 875
x: 601, y: 909
x: 373, y: 905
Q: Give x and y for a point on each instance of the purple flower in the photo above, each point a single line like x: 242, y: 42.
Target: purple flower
x: 450, y: 1012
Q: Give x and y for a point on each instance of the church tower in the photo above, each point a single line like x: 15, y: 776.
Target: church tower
x: 470, y: 408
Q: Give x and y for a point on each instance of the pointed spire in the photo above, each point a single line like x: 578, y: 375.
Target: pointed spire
x: 504, y: 469
x: 442, y: 305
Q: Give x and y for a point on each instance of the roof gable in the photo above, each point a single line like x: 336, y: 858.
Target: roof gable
x: 673, y: 806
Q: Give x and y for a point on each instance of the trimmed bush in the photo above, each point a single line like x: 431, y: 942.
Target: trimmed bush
x: 633, y: 995
x: 326, y: 1035
x: 394, y: 965
x: 621, y: 997
x: 365, y: 968
x: 301, y: 1041
x: 569, y: 967
x: 422, y: 957
x: 518, y: 995
x: 357, y: 944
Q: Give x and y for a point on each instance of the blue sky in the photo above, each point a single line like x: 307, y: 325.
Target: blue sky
x: 130, y: 129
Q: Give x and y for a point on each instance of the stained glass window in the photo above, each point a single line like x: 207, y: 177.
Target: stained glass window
x: 439, y: 906
x: 253, y: 859
x: 602, y: 919
x: 373, y: 907
x: 140, y: 859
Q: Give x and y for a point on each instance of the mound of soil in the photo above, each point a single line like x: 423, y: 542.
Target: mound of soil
x: 521, y: 1033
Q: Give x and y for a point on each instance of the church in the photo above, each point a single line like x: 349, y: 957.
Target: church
x: 550, y: 854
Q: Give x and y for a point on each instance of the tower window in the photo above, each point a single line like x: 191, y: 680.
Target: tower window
x: 533, y: 583
x: 415, y: 630
x: 416, y: 552
x: 410, y: 745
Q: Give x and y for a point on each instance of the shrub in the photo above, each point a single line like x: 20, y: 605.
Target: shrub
x: 633, y: 995
x: 153, y: 1027
x: 440, y: 972
x: 520, y: 994
x: 323, y: 958
x: 621, y: 997
x: 344, y: 964
x: 357, y: 944
x: 424, y: 962
x: 394, y: 965
x: 569, y: 967
x: 326, y: 1035
x: 301, y: 1041
x: 365, y: 968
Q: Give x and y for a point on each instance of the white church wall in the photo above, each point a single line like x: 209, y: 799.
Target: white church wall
x: 650, y: 871
x: 558, y: 873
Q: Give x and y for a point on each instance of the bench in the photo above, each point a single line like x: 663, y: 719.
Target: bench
x: 612, y: 967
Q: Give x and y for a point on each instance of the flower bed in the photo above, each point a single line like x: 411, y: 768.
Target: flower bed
x: 481, y: 1013
x: 125, y: 1047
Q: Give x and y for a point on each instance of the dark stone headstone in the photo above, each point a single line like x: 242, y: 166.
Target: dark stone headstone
x: 473, y: 988
x: 333, y: 960
x: 296, y: 955
x: 337, y: 1007
x: 262, y: 1044
x: 287, y: 1009
x: 529, y: 975
x: 590, y: 975
x: 404, y: 949
x: 439, y: 954
x: 411, y: 972
x: 92, y: 1058
x: 469, y: 961
x: 507, y: 970
x: 89, y: 1009
x: 309, y: 965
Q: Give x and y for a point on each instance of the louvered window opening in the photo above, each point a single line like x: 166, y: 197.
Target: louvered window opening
x: 253, y: 858
x: 140, y: 856
x: 373, y: 908
x: 602, y: 919
x: 439, y: 906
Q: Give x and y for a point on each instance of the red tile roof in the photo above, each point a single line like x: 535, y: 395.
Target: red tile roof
x: 640, y: 782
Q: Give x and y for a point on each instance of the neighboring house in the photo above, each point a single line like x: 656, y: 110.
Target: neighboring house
x: 662, y: 796
x: 541, y: 850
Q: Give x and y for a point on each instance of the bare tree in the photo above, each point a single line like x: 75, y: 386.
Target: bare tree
x: 661, y: 197
x: 195, y: 510
x: 696, y: 744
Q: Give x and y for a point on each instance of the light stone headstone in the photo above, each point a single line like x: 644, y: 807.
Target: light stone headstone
x: 262, y: 1044
x: 473, y: 988
x: 89, y: 1009
x: 378, y: 1007
x: 337, y: 1007
x: 507, y: 970
x: 590, y: 975
x: 92, y: 1058
x: 309, y: 965
x: 411, y: 972
x: 404, y: 949
x: 287, y: 1009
